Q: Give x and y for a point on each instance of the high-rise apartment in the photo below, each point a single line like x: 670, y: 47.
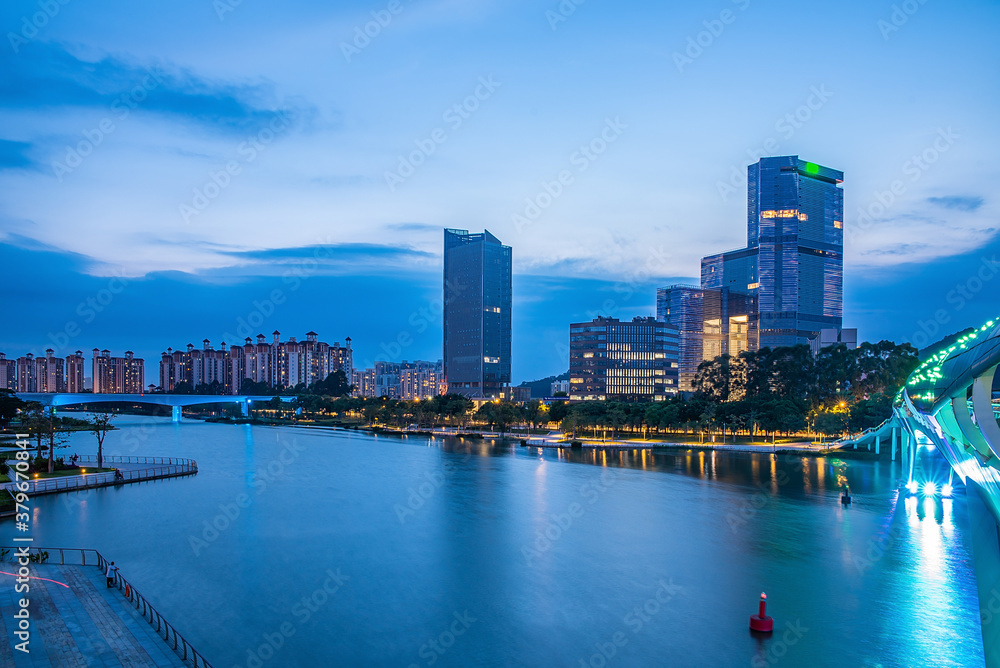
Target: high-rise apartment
x: 118, y: 375
x: 477, y: 314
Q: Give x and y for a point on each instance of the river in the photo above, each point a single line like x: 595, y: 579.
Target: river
x: 313, y: 547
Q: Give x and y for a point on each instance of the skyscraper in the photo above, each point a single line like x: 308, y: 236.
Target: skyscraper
x: 477, y: 310
x: 794, y: 260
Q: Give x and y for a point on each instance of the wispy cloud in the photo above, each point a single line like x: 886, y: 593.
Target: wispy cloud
x: 55, y: 78
x: 957, y: 202
x: 14, y: 155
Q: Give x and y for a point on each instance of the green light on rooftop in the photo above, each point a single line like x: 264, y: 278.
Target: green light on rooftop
x: 812, y: 168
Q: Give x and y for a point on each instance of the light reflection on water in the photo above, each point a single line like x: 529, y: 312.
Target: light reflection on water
x: 876, y: 583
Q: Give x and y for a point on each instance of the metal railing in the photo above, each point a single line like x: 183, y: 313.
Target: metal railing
x: 131, y: 459
x: 91, y: 480
x: 183, y: 648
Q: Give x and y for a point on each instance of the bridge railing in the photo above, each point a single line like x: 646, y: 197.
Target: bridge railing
x: 92, y: 480
x: 134, y: 459
x: 149, y: 613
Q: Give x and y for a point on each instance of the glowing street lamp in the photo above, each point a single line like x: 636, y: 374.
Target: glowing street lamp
x: 946, y: 490
x: 930, y: 489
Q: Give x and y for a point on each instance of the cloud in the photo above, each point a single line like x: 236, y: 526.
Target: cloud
x: 14, y: 155
x: 50, y: 77
x: 957, y: 202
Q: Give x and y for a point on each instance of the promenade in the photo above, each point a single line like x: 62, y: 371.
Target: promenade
x: 133, y: 468
x: 76, y: 620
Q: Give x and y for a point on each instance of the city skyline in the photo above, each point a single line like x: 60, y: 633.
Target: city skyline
x: 644, y: 195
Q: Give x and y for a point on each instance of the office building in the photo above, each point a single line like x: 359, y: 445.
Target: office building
x: 709, y: 322
x: 477, y: 314
x: 624, y: 361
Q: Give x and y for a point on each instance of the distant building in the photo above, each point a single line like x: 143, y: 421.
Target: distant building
x: 75, y: 376
x: 559, y: 386
x: 118, y: 375
x: 626, y: 361
x: 477, y: 314
x: 710, y: 322
x: 419, y: 382
x: 27, y: 374
x: 278, y: 364
x: 8, y: 373
x: 364, y: 383
x: 50, y: 372
x: 520, y: 394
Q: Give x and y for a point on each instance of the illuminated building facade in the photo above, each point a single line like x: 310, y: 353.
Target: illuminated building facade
x: 118, y: 375
x: 278, y: 364
x: 623, y: 361
x: 75, y: 365
x: 8, y: 373
x: 477, y: 314
x: 793, y: 265
x: 709, y: 322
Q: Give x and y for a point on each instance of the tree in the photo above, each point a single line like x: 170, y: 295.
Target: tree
x: 10, y: 404
x: 334, y: 385
x: 533, y: 411
x: 558, y: 411
x: 100, y: 425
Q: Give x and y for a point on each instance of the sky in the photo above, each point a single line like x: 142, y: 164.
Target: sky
x: 171, y: 171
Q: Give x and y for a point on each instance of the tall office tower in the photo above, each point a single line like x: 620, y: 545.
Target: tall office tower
x: 793, y: 265
x: 477, y: 309
x: 610, y: 359
x: 27, y: 374
x: 795, y: 213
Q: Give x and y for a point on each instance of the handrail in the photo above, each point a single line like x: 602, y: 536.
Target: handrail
x: 89, y: 480
x: 133, y: 597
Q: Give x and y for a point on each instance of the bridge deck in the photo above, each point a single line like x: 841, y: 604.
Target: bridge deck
x: 84, y: 624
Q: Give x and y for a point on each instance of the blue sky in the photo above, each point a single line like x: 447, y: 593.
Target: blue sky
x: 212, y: 153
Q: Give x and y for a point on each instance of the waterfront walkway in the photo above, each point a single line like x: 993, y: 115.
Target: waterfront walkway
x: 134, y: 469
x: 81, y: 624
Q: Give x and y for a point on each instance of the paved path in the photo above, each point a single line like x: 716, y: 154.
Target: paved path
x: 86, y: 624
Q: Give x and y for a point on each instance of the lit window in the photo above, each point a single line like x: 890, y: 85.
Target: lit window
x: 838, y: 224
x: 753, y: 286
x: 587, y: 356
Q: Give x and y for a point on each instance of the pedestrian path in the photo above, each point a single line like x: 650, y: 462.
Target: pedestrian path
x: 83, y: 623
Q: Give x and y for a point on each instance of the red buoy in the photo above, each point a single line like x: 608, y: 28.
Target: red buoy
x: 761, y: 622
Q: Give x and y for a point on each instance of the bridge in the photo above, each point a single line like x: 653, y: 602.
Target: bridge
x: 947, y: 405
x: 175, y: 401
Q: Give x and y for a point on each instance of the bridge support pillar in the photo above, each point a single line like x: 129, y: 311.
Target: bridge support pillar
x: 175, y: 413
x: 878, y: 442
x: 895, y: 434
x: 245, y: 407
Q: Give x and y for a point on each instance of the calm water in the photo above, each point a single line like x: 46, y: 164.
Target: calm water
x: 339, y: 548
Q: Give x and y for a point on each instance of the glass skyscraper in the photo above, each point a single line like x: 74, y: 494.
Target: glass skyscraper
x: 477, y: 310
x: 795, y: 214
x: 794, y: 260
